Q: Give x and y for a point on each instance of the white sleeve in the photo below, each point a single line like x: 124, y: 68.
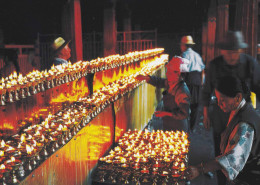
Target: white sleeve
x: 237, y: 151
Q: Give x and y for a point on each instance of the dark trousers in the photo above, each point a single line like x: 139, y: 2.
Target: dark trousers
x: 218, y: 120
x: 193, y: 114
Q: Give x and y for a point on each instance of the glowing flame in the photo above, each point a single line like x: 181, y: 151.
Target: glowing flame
x: 182, y: 165
x: 23, y: 138
x: 12, y: 159
x: 29, y: 149
x: 37, y: 133
x: 2, y: 167
x: 2, y: 143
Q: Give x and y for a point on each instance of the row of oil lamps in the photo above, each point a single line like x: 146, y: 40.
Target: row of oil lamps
x: 145, y: 157
x: 21, y: 153
x: 16, y: 86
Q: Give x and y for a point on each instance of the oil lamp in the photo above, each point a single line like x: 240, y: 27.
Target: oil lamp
x: 13, y: 162
x: 10, y: 92
x: 33, y: 87
x: 57, y: 81
x: 52, y: 84
x: 2, y: 95
x: 5, y: 170
x: 43, y: 152
x: 62, y: 80
x: 22, y: 91
x: 27, y: 88
x: 38, y: 86
x: 66, y: 78
x: 48, y: 82
x: 54, y: 142
x: 16, y: 92
x: 145, y: 170
x: 42, y: 85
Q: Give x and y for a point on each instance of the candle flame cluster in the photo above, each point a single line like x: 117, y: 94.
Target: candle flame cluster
x: 141, y: 146
x: 155, y: 153
x: 59, y: 128
x: 37, y: 81
x: 125, y: 84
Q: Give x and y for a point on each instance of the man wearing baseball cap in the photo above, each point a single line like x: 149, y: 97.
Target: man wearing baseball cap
x: 61, y: 51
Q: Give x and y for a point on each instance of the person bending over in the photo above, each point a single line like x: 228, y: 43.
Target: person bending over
x: 239, y: 159
x: 176, y: 97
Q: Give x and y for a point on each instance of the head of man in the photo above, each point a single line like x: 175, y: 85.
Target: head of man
x: 186, y: 42
x: 231, y: 56
x: 173, y: 71
x: 229, y: 93
x: 231, y: 46
x: 61, y: 48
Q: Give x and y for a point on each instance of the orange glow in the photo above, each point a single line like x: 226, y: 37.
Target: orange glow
x: 38, y: 106
x: 7, y: 126
x: 78, y: 89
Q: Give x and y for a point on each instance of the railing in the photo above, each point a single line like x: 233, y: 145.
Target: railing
x: 135, y: 41
x: 19, y: 59
x: 93, y: 44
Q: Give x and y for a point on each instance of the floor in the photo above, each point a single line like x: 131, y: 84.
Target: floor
x: 201, y: 150
x: 201, y: 147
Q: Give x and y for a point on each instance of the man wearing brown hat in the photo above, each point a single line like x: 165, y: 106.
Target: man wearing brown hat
x: 193, y: 77
x: 61, y: 51
x: 231, y: 62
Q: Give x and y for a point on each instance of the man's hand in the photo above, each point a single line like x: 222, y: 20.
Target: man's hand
x: 142, y: 77
x: 162, y: 114
x: 206, y: 120
x: 192, y: 172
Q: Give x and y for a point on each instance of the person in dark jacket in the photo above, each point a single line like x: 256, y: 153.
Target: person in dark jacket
x: 61, y: 51
x: 240, y: 141
x: 176, y: 97
x: 231, y: 62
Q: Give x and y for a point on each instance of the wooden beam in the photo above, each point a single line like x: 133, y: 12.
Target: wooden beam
x: 110, y: 28
x: 247, y: 21
x: 221, y: 21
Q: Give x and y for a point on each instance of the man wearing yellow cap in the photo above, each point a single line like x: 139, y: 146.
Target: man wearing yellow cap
x: 193, y: 77
x: 61, y: 51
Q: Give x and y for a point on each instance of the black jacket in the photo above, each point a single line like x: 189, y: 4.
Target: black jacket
x: 247, y: 70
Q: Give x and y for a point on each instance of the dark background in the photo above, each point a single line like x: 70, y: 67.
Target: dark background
x: 21, y: 20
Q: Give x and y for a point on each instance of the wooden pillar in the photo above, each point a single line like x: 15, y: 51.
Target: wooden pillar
x: 109, y: 28
x: 221, y: 21
x: 246, y: 20
x: 72, y: 29
x: 204, y: 41
x: 127, y: 29
x: 211, y: 32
